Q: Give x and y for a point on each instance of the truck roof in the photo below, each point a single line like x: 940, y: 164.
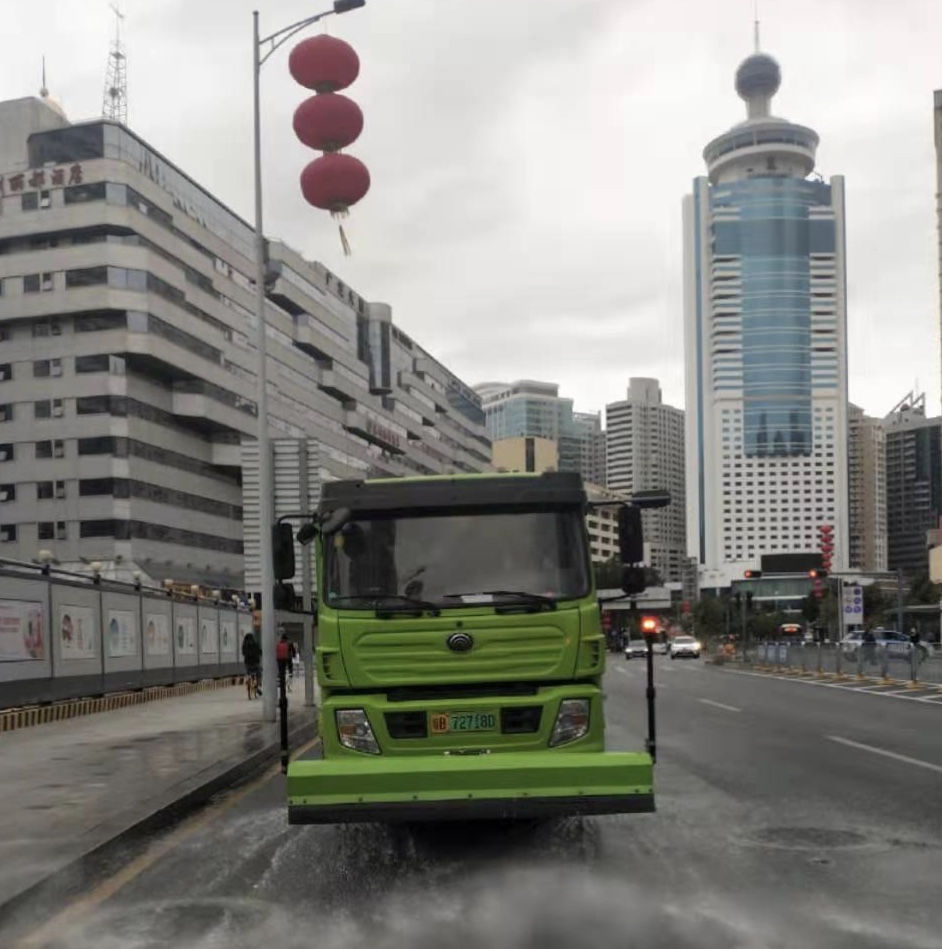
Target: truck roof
x: 489, y: 490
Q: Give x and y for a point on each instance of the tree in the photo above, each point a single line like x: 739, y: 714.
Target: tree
x: 709, y: 617
x: 923, y: 590
x: 811, y: 608
x: 608, y: 575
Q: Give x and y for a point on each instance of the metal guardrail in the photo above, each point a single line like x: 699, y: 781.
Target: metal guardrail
x: 920, y: 663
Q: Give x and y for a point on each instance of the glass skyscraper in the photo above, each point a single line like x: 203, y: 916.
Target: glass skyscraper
x: 765, y: 339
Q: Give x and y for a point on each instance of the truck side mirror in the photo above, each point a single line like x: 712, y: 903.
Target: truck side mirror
x: 630, y: 535
x: 306, y: 533
x: 282, y: 542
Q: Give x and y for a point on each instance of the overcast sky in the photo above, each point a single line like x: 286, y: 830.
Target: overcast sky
x: 529, y: 158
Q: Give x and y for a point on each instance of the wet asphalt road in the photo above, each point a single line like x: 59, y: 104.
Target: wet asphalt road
x: 782, y: 822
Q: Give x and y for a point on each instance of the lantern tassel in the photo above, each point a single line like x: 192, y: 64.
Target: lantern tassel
x: 344, y: 243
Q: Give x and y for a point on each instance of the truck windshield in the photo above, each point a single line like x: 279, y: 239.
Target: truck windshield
x: 457, y: 559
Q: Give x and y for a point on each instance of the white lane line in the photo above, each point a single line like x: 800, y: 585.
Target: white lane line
x: 728, y: 708
x: 886, y: 754
x: 864, y: 690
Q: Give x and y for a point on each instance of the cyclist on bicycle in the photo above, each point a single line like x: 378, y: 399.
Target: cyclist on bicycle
x: 252, y: 657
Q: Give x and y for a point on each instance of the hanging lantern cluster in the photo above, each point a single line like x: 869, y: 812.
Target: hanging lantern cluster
x: 329, y: 122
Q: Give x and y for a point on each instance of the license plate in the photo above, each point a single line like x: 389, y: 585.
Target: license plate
x: 442, y: 722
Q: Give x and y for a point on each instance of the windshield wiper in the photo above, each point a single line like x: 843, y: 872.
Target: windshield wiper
x: 401, y: 603
x: 524, y: 596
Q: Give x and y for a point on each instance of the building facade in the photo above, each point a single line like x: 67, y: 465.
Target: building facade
x: 913, y: 483
x: 127, y: 374
x: 937, y: 120
x: 765, y: 341
x: 866, y: 490
x: 527, y: 453
x: 645, y: 451
x: 536, y: 409
x: 592, y: 447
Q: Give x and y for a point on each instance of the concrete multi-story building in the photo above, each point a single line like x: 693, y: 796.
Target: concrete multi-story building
x: 526, y: 453
x: 602, y: 523
x: 587, y: 427
x: 913, y: 483
x: 128, y: 364
x: 645, y: 451
x: 531, y: 408
x: 866, y: 490
x: 765, y: 341
x: 937, y: 117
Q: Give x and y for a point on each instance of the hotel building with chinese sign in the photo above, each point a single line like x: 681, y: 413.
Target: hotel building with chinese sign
x: 127, y: 362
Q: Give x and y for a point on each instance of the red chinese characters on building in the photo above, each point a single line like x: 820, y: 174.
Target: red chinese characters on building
x: 38, y: 178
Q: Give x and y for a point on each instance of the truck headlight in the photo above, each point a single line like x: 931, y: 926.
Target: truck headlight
x: 355, y: 732
x: 572, y: 721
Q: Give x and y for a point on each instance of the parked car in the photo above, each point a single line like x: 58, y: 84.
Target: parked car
x: 636, y: 649
x: 896, y: 644
x: 685, y: 646
x: 660, y: 647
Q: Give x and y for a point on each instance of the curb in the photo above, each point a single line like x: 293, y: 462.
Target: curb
x: 71, y: 880
x: 29, y: 715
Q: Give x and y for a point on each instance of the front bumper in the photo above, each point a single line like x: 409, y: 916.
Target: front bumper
x: 509, y: 785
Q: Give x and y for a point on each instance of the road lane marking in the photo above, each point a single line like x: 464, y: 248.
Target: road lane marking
x: 728, y: 708
x: 886, y: 754
x: 904, y: 695
x: 53, y: 928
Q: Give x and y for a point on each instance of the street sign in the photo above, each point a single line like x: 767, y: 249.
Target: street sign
x: 853, y: 605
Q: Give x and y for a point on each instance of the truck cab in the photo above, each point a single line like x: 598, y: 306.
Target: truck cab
x: 459, y: 654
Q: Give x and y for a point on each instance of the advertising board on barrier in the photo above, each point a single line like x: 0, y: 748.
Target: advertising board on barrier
x: 156, y: 634
x: 121, y: 633
x: 186, y: 635
x: 78, y: 633
x: 227, y: 635
x: 21, y: 631
x: 209, y: 637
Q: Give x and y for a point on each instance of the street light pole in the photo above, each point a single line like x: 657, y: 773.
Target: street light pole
x: 265, y: 492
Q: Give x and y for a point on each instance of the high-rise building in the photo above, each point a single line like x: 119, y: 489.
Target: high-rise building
x: 645, y: 452
x: 587, y: 428
x: 531, y: 408
x: 128, y: 363
x: 913, y: 483
x: 866, y: 489
x: 765, y: 341
x: 937, y: 116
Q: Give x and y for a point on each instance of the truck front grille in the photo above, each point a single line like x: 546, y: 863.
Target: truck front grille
x: 520, y: 720
x: 407, y: 724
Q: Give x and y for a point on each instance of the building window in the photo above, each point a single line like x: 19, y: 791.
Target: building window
x: 6, y: 372
x: 97, y: 363
x: 44, y: 449
x: 6, y: 412
x: 43, y: 368
x: 6, y: 452
x: 7, y: 493
x: 7, y: 533
x: 44, y: 490
x: 29, y: 201
x: 42, y: 409
x: 31, y: 283
x: 46, y: 530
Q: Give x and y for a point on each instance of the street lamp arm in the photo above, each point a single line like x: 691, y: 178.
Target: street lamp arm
x: 281, y: 36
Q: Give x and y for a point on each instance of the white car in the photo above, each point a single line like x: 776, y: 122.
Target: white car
x: 660, y: 647
x: 685, y: 646
x: 636, y: 649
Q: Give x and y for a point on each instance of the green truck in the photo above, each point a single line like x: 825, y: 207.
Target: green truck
x: 460, y: 653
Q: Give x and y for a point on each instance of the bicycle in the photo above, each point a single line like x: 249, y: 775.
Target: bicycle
x: 253, y: 682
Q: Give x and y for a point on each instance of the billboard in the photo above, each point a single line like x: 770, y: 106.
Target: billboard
x: 22, y: 637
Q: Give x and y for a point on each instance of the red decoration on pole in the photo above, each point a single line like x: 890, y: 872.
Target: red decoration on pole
x: 324, y: 63
x: 328, y: 122
x: 334, y: 182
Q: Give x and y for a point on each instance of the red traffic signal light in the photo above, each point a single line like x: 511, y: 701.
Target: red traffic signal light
x: 649, y: 625
x: 752, y: 574
x: 819, y: 574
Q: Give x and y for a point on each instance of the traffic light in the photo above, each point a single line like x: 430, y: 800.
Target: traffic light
x: 752, y: 574
x: 649, y: 625
x: 818, y: 573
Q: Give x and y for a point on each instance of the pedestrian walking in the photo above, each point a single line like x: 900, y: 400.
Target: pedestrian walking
x: 252, y: 657
x: 284, y: 658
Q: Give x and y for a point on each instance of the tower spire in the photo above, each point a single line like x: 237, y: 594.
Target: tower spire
x: 755, y: 25
x: 115, y: 99
x: 44, y: 89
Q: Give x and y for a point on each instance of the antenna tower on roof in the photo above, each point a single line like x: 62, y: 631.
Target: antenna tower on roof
x: 115, y: 100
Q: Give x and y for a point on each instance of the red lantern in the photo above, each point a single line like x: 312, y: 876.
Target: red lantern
x: 328, y: 122
x: 334, y: 182
x: 324, y: 63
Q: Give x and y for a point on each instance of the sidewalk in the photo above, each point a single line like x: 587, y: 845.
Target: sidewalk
x: 68, y: 788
